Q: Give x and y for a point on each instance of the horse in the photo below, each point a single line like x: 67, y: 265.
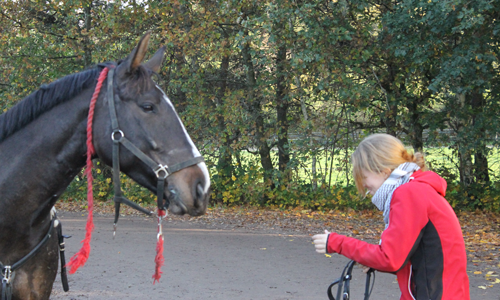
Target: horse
x: 43, y: 146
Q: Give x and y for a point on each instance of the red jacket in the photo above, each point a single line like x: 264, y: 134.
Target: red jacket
x: 423, y: 243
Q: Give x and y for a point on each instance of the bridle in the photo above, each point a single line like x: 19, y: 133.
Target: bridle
x: 162, y: 171
x: 344, y: 283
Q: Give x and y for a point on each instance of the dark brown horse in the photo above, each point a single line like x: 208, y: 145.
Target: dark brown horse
x: 43, y: 147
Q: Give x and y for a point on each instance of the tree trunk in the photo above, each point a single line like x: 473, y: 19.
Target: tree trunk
x: 224, y: 164
x: 87, y: 55
x: 464, y: 152
x: 282, y: 109
x: 416, y: 127
x: 311, y: 144
x: 256, y: 112
x: 481, y: 173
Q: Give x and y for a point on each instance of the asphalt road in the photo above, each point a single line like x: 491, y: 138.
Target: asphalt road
x: 204, y: 262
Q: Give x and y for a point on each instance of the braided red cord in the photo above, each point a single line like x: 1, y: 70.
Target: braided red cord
x: 159, y: 259
x: 81, y: 256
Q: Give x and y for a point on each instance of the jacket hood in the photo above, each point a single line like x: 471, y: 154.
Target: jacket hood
x: 432, y: 179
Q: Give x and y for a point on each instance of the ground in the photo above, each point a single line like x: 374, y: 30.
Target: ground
x: 244, y: 253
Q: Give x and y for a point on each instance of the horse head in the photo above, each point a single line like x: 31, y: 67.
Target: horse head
x: 147, y: 118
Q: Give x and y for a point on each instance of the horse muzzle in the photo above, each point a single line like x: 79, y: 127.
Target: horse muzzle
x: 192, y: 201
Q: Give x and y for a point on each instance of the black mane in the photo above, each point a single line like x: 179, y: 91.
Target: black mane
x: 44, y: 99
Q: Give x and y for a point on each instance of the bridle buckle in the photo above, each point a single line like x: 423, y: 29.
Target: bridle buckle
x: 161, y: 171
x: 7, y: 274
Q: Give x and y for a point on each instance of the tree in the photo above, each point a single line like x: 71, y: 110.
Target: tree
x: 456, y: 42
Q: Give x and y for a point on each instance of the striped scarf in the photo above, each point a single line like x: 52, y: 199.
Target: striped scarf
x: 398, y: 177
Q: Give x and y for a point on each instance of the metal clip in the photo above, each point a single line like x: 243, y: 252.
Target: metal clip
x: 160, y: 232
x: 160, y: 227
x: 7, y: 275
x: 160, y: 169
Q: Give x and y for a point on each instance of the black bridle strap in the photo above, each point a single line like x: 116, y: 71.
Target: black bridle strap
x: 7, y: 271
x: 185, y: 164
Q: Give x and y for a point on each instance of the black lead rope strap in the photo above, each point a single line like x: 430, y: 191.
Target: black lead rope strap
x: 343, y: 289
x: 161, y: 171
x: 62, y: 249
x: 8, y: 271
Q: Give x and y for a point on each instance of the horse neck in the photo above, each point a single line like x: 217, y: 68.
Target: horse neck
x: 43, y: 158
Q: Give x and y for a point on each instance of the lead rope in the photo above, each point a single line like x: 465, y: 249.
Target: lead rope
x: 80, y: 258
x: 343, y: 288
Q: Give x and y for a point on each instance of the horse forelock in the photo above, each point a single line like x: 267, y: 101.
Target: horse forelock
x: 136, y: 83
x: 44, y: 99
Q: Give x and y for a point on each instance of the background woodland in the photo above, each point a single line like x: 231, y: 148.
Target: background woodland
x: 277, y: 93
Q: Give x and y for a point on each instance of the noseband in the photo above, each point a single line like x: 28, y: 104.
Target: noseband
x: 162, y: 171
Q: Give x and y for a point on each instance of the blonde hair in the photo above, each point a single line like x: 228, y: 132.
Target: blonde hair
x: 378, y: 152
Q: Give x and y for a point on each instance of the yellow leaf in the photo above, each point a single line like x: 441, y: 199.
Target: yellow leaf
x: 478, y: 272
x: 328, y: 255
x: 482, y: 287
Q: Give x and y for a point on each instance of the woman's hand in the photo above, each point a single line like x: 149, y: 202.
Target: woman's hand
x: 319, y: 241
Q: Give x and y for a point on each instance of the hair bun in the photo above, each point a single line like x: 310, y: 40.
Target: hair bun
x: 420, y: 160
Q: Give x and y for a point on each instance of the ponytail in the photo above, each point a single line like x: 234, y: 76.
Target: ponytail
x: 417, y: 158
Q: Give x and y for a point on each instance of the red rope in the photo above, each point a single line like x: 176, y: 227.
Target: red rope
x: 81, y: 256
x: 159, y: 259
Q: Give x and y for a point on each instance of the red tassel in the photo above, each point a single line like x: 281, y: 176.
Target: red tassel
x: 80, y: 258
x: 159, y: 259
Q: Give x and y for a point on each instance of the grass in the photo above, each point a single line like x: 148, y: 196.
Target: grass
x: 441, y: 160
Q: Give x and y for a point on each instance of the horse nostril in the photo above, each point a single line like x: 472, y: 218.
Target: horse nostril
x: 200, y: 195
x: 199, y: 191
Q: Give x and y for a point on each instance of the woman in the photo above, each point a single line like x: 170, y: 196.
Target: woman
x: 422, y: 242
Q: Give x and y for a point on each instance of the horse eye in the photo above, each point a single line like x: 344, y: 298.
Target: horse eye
x: 147, y: 107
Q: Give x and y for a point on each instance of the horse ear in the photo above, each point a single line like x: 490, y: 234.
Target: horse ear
x: 135, y: 58
x: 155, y: 62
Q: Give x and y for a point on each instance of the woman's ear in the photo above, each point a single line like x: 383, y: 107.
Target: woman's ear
x: 387, y: 172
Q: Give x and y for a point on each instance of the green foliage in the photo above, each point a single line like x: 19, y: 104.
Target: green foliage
x: 278, y: 93
x: 103, y: 190
x: 252, y: 190
x: 478, y: 196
